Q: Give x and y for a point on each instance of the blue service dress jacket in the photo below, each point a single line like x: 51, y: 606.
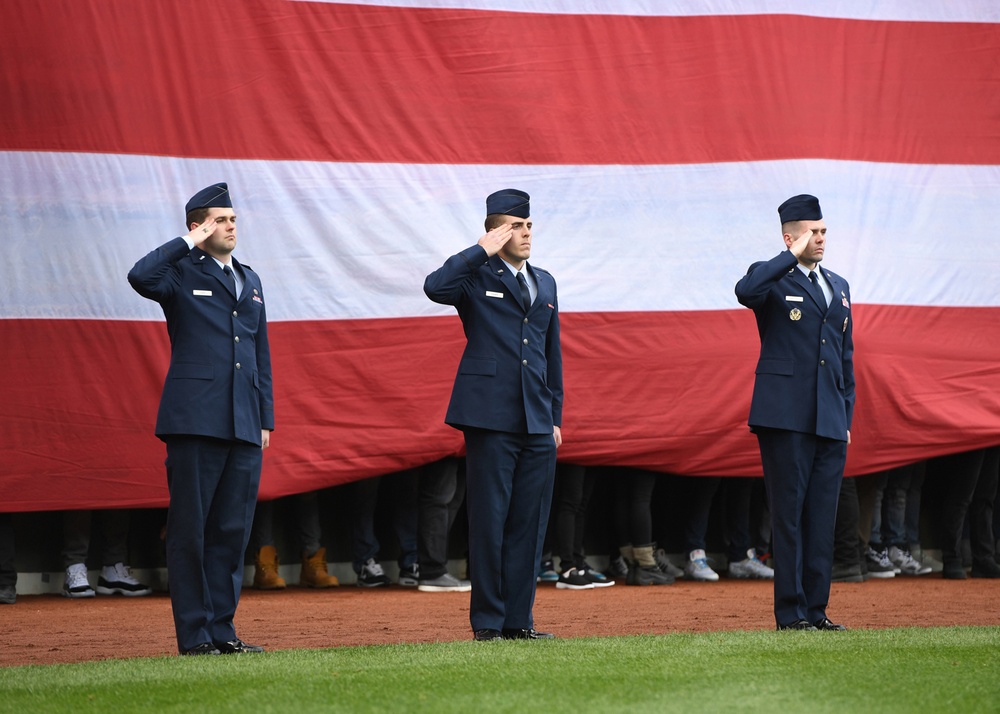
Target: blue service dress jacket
x: 805, y: 374
x: 219, y: 380
x: 510, y: 376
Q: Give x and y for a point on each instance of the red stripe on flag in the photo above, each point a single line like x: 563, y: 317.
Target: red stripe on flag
x: 333, y: 82
x: 668, y: 391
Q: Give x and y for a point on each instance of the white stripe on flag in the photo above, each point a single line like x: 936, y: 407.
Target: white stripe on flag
x: 918, y: 10
x: 336, y: 241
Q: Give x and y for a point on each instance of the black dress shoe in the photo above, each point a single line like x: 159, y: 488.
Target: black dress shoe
x: 486, y: 635
x: 797, y: 625
x: 825, y: 624
x: 532, y: 634
x: 237, y: 646
x: 205, y: 648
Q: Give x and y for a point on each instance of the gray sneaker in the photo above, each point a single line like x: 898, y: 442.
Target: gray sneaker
x: 8, y: 594
x: 925, y: 558
x: 750, y: 568
x: 906, y: 563
x: 446, y: 583
x: 663, y: 561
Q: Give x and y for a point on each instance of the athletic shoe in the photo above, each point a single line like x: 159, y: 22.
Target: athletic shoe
x: 372, y: 575
x: 446, y: 583
x: 925, y: 558
x: 117, y: 579
x: 878, y: 564
x: 600, y: 580
x: 906, y: 563
x: 617, y: 568
x: 573, y: 579
x: 8, y: 594
x: 547, y: 572
x: 883, y: 549
x: 666, y: 565
x: 409, y: 577
x: 698, y: 569
x: 647, y: 575
x: 76, y: 584
x: 751, y: 568
x: 842, y: 573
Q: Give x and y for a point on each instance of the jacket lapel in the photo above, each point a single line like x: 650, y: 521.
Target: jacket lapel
x: 209, y: 266
x: 803, y: 282
x: 508, y: 278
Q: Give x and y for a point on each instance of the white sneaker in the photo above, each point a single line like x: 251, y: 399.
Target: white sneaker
x: 76, y: 584
x: 750, y: 568
x: 117, y: 579
x: 698, y: 569
x: 906, y: 563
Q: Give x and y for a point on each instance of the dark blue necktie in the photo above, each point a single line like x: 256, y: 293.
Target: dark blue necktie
x: 525, y: 293
x: 817, y: 290
x: 232, y: 278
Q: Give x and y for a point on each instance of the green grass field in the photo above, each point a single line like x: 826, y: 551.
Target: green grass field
x: 954, y: 669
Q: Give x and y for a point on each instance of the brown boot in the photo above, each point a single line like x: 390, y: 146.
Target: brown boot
x: 314, y: 573
x: 265, y: 574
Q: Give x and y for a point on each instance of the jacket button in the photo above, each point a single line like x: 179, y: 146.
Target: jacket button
x: 524, y: 362
x: 525, y: 321
x: 822, y: 362
x: 237, y: 365
x: 525, y: 340
x: 822, y: 342
x: 237, y: 338
x: 235, y: 314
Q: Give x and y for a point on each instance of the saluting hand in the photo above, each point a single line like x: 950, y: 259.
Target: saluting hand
x: 493, y: 241
x: 798, y: 246
x: 199, y: 234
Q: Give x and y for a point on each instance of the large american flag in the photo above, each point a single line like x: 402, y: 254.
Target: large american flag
x: 360, y: 140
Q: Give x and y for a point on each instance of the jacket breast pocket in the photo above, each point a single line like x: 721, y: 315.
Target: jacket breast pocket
x: 192, y: 370
x: 785, y: 367
x: 483, y: 367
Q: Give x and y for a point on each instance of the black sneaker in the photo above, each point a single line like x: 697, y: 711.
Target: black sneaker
x: 372, y: 575
x: 573, y: 579
x: 600, y: 580
x: 409, y: 577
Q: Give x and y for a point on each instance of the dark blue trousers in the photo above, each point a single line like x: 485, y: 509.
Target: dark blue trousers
x: 213, y: 490
x: 802, y: 473
x: 509, y: 480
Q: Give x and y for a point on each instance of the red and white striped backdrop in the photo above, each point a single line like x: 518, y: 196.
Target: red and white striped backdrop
x: 360, y: 141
